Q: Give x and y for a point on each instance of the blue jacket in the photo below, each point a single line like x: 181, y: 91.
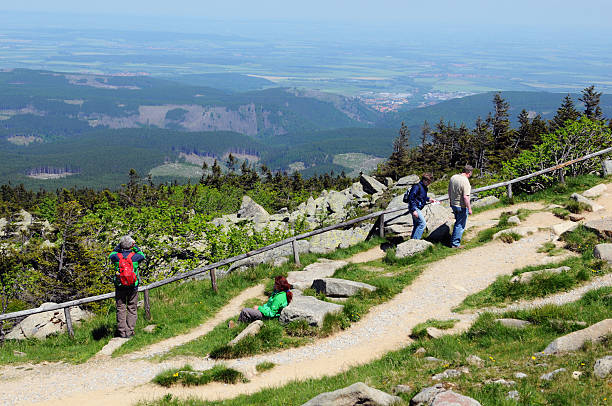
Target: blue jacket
x: 417, y: 197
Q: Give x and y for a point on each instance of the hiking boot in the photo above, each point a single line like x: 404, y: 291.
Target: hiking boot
x: 458, y: 247
x: 231, y: 324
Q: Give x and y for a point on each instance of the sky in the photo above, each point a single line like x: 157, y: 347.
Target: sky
x: 531, y: 13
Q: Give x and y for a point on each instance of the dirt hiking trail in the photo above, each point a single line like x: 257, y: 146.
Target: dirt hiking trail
x: 442, y: 286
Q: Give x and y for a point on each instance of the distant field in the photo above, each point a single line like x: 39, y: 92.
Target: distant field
x: 357, y: 162
x: 177, y: 170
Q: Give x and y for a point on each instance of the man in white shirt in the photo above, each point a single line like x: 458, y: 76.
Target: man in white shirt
x: 459, y: 189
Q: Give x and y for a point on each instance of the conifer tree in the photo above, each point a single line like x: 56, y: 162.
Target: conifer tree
x: 501, y: 131
x: 590, y: 98
x: 399, y: 159
x: 566, y: 112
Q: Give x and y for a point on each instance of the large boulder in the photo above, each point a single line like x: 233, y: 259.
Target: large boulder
x: 411, y: 247
x: 595, y: 191
x: 249, y: 210
x: 41, y: 325
x: 526, y: 277
x: 485, y: 201
x: 442, y: 233
x: 356, y: 190
x: 607, y: 167
x: 308, y: 308
x: 336, y: 202
x: 335, y: 287
x: 603, y: 251
x: 591, y: 204
x: 323, y: 268
x: 406, y: 181
x: 576, y: 340
x: 371, y: 185
x: 436, y: 215
x: 271, y: 256
x: 602, y: 227
x: 356, y: 394
x: 438, y: 395
x: 333, y: 239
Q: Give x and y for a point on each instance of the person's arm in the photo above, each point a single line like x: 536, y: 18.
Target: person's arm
x: 412, y: 200
x: 466, y: 200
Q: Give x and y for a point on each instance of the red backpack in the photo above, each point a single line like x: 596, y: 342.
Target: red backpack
x: 127, y: 277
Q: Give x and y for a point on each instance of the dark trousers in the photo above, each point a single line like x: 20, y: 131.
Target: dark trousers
x: 249, y: 315
x: 126, y: 300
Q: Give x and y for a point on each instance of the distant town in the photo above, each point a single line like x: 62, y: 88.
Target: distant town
x: 389, y: 102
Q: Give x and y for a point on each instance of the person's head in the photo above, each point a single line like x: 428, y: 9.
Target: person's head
x: 427, y: 178
x: 282, y: 285
x: 126, y: 242
x: 467, y: 170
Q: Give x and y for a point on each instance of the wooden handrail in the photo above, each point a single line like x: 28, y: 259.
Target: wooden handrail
x: 290, y: 240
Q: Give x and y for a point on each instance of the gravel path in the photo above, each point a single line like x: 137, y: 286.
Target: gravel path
x: 441, y: 287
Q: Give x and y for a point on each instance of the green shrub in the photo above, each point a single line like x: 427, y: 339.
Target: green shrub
x: 561, y: 212
x: 509, y: 238
x: 264, y: 366
x: 187, y: 376
x: 577, y: 207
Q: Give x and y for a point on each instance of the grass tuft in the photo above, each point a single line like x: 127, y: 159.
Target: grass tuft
x: 264, y: 366
x: 187, y: 376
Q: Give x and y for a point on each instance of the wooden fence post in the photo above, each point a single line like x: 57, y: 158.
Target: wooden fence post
x: 296, y: 254
x: 213, y: 280
x: 509, y: 189
x: 381, y: 226
x: 147, y: 305
x: 68, y: 322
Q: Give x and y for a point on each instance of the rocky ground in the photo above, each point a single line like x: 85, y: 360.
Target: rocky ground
x: 441, y: 287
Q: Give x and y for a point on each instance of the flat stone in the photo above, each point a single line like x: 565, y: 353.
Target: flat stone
x: 420, y: 351
x: 251, y: 330
x: 500, y: 381
x: 110, y: 347
x: 549, y: 376
x: 433, y: 332
x: 591, y: 204
x: 401, y: 230
x: 356, y: 190
x: 150, y: 328
x: 432, y: 359
x: 576, y: 374
x: 411, y: 247
x: 513, y: 323
x: 485, y: 201
x: 576, y: 217
x: 323, y: 268
x: 356, y: 394
x: 602, y: 227
x: 371, y: 185
x: 513, y: 395
x: 475, y: 360
x: 437, y: 395
x: 402, y: 389
x: 520, y: 375
x: 526, y: 277
x: 603, y: 251
x: 514, y: 220
x: 335, y: 287
x: 308, y: 308
x: 595, y: 191
x: 450, y: 373
x: 603, y: 367
x: 407, y: 181
x: 561, y: 228
x: 576, y: 340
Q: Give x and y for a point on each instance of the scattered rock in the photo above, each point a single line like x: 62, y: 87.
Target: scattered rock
x: 250, y: 330
x: 475, y: 360
x: 513, y: 395
x: 514, y: 220
x: 331, y: 240
x: 549, y: 376
x: 150, y: 328
x: 485, y: 201
x: 561, y: 228
x: 402, y: 389
x: 371, y: 185
x: 526, y: 277
x: 576, y: 217
x: 520, y: 375
x: 40, y: 325
x: 335, y: 287
x: 249, y: 210
x: 603, y: 251
x: 110, y: 347
x: 308, y: 308
x: 433, y: 332
x: 602, y: 227
x: 432, y: 359
x: 19, y: 353
x: 323, y: 268
x: 356, y: 394
x: 420, y: 351
x: 595, y: 191
x: 388, y: 182
x: 607, y: 167
x: 407, y: 181
x: 591, y: 204
x: 411, y: 247
x: 450, y: 373
x: 576, y: 374
x: 574, y: 341
x: 513, y: 323
x: 603, y: 367
x: 437, y: 395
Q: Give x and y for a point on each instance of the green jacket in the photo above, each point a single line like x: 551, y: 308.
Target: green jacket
x: 275, y: 304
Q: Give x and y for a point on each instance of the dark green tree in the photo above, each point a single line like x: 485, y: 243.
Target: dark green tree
x: 398, y: 161
x: 590, y: 98
x: 566, y: 112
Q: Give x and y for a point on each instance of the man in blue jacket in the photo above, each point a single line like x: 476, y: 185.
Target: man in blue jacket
x: 126, y: 284
x: 417, y: 199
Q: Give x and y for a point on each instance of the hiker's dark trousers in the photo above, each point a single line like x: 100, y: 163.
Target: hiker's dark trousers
x: 126, y: 300
x: 249, y: 315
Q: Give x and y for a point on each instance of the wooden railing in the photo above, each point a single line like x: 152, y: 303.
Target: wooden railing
x: 292, y: 240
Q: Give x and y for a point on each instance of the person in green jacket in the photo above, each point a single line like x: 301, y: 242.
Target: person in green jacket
x: 281, y: 297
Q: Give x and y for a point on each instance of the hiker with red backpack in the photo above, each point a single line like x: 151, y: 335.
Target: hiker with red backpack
x: 125, y: 259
